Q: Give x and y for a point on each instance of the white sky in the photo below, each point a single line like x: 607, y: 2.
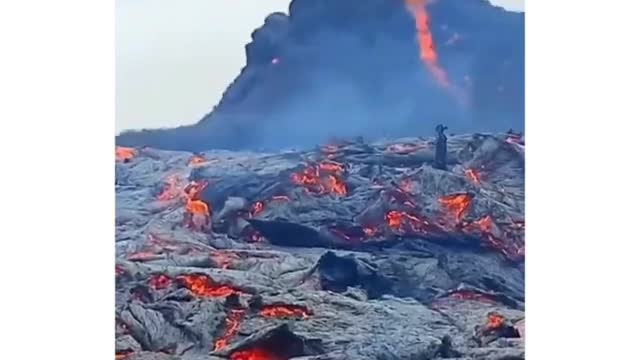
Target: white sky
x: 175, y: 58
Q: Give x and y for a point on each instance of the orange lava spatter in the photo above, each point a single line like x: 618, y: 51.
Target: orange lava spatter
x: 203, y: 286
x: 232, y: 325
x: 125, y: 153
x: 285, y: 311
x: 254, y: 354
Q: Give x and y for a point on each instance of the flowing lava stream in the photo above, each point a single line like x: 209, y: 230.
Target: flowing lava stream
x: 254, y: 354
x: 425, y: 41
x: 202, y: 285
x: 284, y: 311
x: 232, y: 325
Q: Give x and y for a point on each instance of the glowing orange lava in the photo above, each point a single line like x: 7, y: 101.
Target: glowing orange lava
x: 197, y: 207
x: 485, y: 224
x: 159, y: 281
x: 194, y: 189
x: 224, y: 259
x: 396, y: 219
x: 369, y: 231
x: 125, y: 153
x: 203, y: 286
x: 171, y: 189
x: 232, y: 325
x: 425, y: 41
x: 457, y: 204
x: 285, y: 311
x: 472, y: 175
x: 254, y: 354
x: 257, y: 208
x: 323, y: 178
x: 494, y: 321
x: 197, y: 161
x: 121, y: 355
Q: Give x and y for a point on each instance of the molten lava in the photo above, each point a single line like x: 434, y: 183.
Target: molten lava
x: 121, y: 355
x: 224, y: 259
x: 171, y: 189
x: 254, y: 354
x: 399, y: 220
x: 159, y: 281
x: 425, y: 41
x: 125, y: 153
x: 232, y: 325
x: 203, y: 286
x: 323, y: 178
x: 494, y: 321
x: 485, y: 224
x: 197, y: 161
x: 456, y: 205
x: 194, y: 189
x: 472, y: 175
x: 331, y: 166
x: 257, y: 208
x: 285, y: 311
x: 197, y: 207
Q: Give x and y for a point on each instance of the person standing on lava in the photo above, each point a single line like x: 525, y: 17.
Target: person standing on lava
x: 441, y: 148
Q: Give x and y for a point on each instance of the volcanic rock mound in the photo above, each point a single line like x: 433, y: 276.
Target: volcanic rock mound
x: 353, y: 67
x: 352, y: 250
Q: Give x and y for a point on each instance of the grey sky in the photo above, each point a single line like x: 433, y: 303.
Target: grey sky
x: 174, y: 58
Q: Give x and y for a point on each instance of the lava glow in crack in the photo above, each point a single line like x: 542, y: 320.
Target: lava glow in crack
x: 285, y: 311
x: 203, y: 286
x: 457, y: 204
x: 232, y: 325
x: 254, y: 354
